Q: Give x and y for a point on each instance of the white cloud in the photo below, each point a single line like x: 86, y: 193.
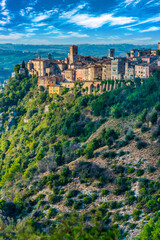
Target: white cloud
x: 78, y: 35
x: 130, y: 2
x: 3, y: 4
x: 42, y: 16
x: 149, y: 20
x: 58, y: 34
x: 114, y: 37
x: 26, y: 11
x: 15, y: 36
x: 90, y: 21
x: 143, y: 39
x: 151, y: 29
x: 39, y: 24
x: 73, y: 11
x: 128, y: 34
x: 30, y: 30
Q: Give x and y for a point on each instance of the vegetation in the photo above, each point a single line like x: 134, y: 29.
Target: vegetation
x: 74, y: 152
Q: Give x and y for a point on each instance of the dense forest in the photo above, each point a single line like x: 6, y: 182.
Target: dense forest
x: 76, y: 166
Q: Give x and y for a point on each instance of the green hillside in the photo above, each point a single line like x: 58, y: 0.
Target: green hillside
x: 79, y: 166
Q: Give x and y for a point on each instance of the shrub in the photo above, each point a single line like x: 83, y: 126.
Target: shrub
x: 46, y: 207
x: 42, y: 203
x: 117, y: 217
x: 157, y: 107
x: 117, y: 191
x: 93, y: 145
x: 130, y: 170
x: 158, y: 162
x: 53, y: 199
x: 111, y: 154
x: 40, y: 196
x: 137, y: 139
x: 125, y: 217
x: 117, y: 111
x: 40, y: 155
x: 65, y: 171
x: 87, y: 200
x: 153, y: 117
x: 77, y: 205
x: 104, y: 192
x: 156, y: 132
x: 138, y: 124
x: 72, y: 193
x: 139, y: 172
x: 151, y: 169
x: 118, y: 169
x: 120, y: 144
x: 141, y: 145
x: 52, y: 212
x: 129, y: 136
x: 132, y: 225
x: 121, y: 153
x: 144, y: 129
x: 94, y: 197
x: 136, y: 213
x: 69, y: 202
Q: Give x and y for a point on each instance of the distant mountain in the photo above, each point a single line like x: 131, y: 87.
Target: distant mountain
x: 93, y: 49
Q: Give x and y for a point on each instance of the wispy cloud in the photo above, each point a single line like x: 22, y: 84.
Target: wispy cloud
x: 114, y: 37
x: 25, y: 11
x: 90, y: 21
x: 78, y: 35
x: 143, y: 39
x: 151, y: 29
x: 3, y: 4
x: 15, y: 36
x: 42, y: 16
x: 56, y: 33
x: 148, y: 20
x: 126, y: 3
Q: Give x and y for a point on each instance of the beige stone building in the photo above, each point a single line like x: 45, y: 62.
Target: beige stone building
x: 38, y: 66
x: 139, y: 70
x: 69, y: 75
x: 46, y: 81
x: 117, y: 69
x: 93, y: 73
x: 106, y: 70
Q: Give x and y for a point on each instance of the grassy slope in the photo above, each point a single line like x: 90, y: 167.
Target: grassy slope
x: 38, y: 131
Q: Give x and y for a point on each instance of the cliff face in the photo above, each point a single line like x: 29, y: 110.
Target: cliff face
x: 94, y: 154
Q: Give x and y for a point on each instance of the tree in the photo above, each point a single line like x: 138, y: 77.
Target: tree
x: 137, y: 82
x: 16, y: 68
x: 23, y: 65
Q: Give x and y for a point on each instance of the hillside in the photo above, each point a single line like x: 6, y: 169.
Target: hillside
x: 76, y: 161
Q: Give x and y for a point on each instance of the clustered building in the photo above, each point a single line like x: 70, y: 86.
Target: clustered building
x: 93, y: 71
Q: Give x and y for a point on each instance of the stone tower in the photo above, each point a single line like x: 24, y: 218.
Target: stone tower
x: 111, y: 53
x: 73, y: 55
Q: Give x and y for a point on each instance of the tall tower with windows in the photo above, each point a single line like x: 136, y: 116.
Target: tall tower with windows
x: 73, y: 55
x: 111, y: 53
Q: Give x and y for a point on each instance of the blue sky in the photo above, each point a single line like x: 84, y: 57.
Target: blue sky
x: 68, y: 21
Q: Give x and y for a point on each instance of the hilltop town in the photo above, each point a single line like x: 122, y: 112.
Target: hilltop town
x: 93, y: 72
